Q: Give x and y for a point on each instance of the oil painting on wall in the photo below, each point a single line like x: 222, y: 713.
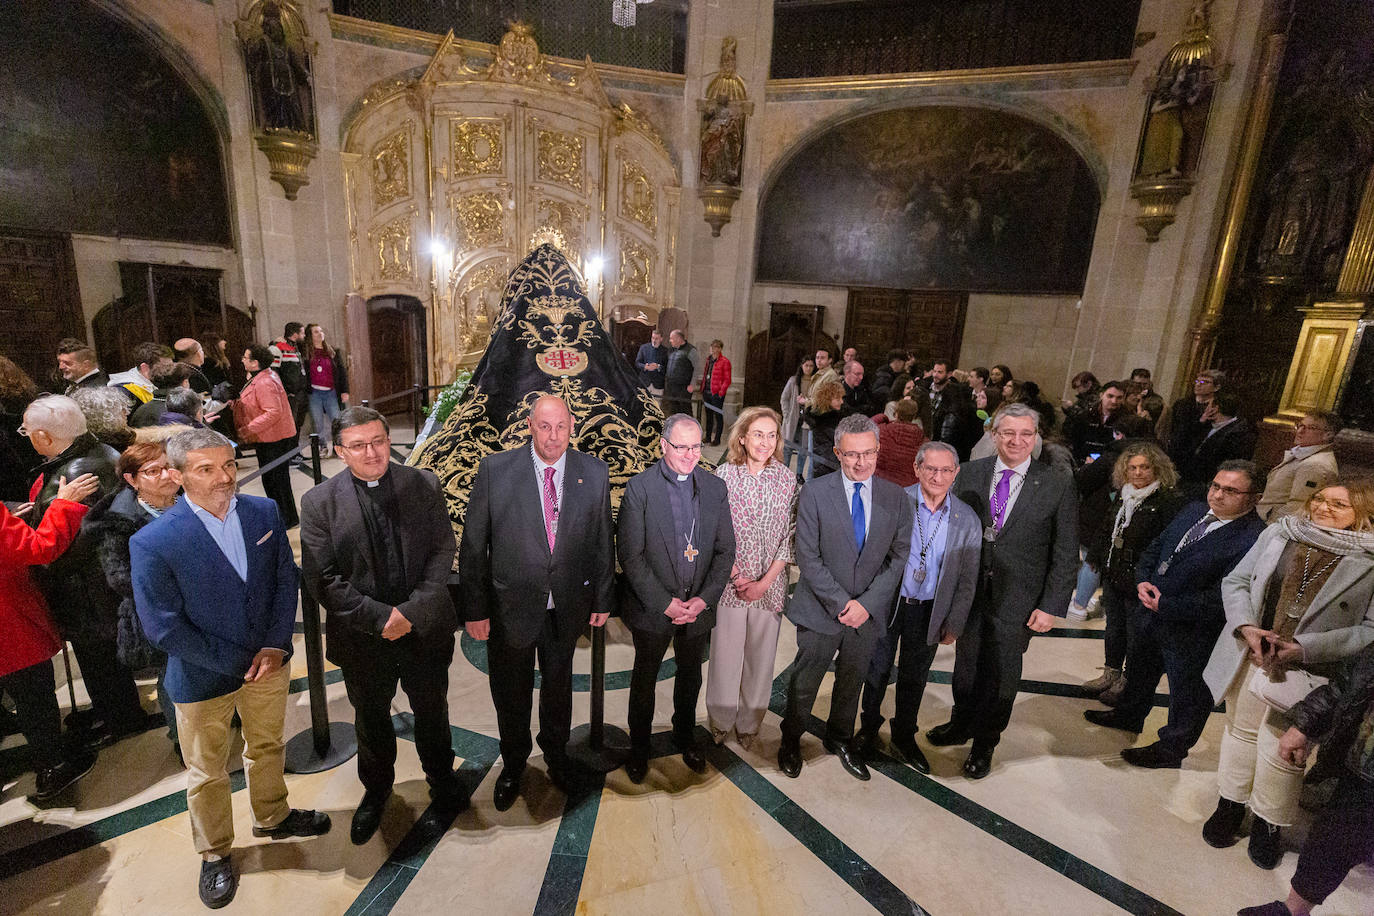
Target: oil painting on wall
x: 934, y: 197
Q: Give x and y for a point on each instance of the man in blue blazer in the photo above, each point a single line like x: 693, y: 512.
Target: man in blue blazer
x: 853, y: 535
x: 933, y: 601
x: 215, y: 587
x: 1180, y: 615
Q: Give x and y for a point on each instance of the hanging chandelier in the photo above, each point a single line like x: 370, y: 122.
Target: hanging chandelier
x: 623, y: 12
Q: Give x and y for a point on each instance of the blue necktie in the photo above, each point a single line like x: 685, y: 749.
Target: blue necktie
x: 856, y: 509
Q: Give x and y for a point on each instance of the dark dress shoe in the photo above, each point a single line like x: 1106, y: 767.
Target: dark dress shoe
x: 450, y: 794
x: 979, y: 762
x: 1265, y: 849
x: 298, y: 822
x: 54, y: 780
x: 906, y: 746
x: 694, y: 758
x: 637, y: 767
x: 218, y: 883
x: 1153, y: 757
x: 507, y: 789
x: 1276, y: 908
x: 368, y: 817
x: 866, y: 742
x: 947, y: 735
x: 849, y: 758
x: 1110, y: 718
x: 1223, y: 827
x: 790, y: 759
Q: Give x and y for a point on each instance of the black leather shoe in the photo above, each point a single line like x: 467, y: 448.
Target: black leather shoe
x: 866, y: 742
x: 1110, y: 718
x: 368, y: 817
x: 1223, y: 827
x: 849, y: 758
x: 218, y: 883
x: 790, y: 758
x: 979, y: 762
x: 906, y: 746
x: 637, y: 767
x: 1265, y: 849
x: 507, y: 789
x: 947, y: 735
x: 694, y: 758
x: 450, y: 794
x: 298, y: 822
x: 53, y: 781
x: 1153, y: 757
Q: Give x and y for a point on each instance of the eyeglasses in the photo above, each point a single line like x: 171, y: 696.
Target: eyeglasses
x: 153, y: 470
x: 1334, y: 505
x: 1204, y: 380
x: 1311, y: 428
x: 380, y: 444
x: 866, y: 455
x: 1228, y: 491
x: 758, y: 436
x: 694, y: 448
x: 23, y: 430
x: 931, y: 470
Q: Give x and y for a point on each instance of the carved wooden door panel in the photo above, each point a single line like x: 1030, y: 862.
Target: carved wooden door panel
x: 928, y: 323
x: 38, y: 300
x: 794, y: 334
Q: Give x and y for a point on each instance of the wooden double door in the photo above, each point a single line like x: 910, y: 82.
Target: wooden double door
x: 38, y: 301
x: 928, y: 323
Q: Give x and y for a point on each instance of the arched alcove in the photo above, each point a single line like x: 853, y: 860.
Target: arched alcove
x: 939, y: 196
x: 103, y: 135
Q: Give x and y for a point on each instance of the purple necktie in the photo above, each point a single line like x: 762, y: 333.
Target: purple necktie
x: 999, y: 499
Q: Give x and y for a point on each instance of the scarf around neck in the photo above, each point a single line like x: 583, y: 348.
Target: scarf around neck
x: 1341, y: 542
x: 1131, y: 498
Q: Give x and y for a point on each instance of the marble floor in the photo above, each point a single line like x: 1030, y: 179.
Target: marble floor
x: 1061, y: 826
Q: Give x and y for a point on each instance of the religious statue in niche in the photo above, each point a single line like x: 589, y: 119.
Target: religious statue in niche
x: 276, y: 55
x: 1175, y: 123
x: 723, y: 113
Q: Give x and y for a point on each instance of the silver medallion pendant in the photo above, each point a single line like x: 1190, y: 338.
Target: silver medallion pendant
x: 1163, y: 567
x: 1118, y: 542
x: 919, y: 575
x: 989, y: 533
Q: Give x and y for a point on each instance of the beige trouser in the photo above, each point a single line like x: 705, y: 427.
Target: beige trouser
x: 204, y: 732
x: 1250, y: 770
x: 739, y: 682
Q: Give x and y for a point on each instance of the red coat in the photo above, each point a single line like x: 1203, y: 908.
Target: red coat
x: 897, y: 445
x: 262, y: 413
x: 720, y: 378
x: 29, y: 636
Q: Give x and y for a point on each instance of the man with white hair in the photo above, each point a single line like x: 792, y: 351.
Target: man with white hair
x: 1029, y: 514
x: 73, y: 583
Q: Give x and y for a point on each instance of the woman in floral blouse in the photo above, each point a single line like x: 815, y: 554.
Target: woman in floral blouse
x: 763, y: 505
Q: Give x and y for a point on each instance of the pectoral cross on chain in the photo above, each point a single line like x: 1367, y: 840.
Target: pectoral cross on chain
x: 690, y: 553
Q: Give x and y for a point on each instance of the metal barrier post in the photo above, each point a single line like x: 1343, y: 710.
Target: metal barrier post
x: 315, y: 470
x: 597, y: 746
x: 324, y: 745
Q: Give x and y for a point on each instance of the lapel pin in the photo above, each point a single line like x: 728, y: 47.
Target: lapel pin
x: 579, y: 480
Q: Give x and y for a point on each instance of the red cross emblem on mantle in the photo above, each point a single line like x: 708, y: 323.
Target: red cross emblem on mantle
x: 562, y: 361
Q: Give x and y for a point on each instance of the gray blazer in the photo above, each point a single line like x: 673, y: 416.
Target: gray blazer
x: 958, y: 570
x: 832, y: 569
x: 648, y: 547
x: 1338, y: 624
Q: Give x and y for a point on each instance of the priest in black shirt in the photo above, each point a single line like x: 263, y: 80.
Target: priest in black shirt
x: 377, y: 548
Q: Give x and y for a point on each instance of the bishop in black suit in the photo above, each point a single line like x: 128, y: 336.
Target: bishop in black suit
x: 1029, y: 514
x: 377, y: 549
x: 676, y: 543
x: 535, y: 566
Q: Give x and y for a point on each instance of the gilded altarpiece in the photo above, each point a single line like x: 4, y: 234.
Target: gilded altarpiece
x: 455, y: 175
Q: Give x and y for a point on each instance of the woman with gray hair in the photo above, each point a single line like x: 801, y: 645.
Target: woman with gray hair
x: 107, y: 415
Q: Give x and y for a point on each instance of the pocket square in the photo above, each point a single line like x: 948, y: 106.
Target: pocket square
x: 263, y: 539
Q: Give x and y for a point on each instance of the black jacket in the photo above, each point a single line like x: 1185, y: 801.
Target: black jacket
x: 1118, y: 564
x: 86, y: 455
x: 1234, y: 440
x: 108, y: 527
x: 1333, y: 713
x: 17, y: 457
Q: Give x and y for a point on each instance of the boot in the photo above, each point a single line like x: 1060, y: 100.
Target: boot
x: 1223, y: 827
x: 1112, y: 695
x: 1109, y: 677
x: 1265, y: 849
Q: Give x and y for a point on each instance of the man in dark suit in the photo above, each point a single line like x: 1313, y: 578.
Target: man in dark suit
x: 1029, y: 514
x: 933, y: 602
x: 1179, y: 577
x: 76, y: 362
x: 377, y: 548
x: 853, y: 537
x: 1229, y: 438
x: 216, y: 589
x: 676, y: 543
x: 536, y: 565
